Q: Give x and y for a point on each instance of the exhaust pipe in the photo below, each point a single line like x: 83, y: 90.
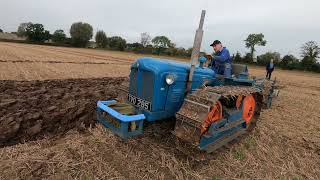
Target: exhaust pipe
x: 195, y: 50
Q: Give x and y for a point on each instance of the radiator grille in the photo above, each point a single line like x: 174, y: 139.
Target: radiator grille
x: 142, y: 87
x: 147, y: 85
x: 133, y: 88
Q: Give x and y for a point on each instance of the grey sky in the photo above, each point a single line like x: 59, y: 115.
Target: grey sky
x: 286, y: 24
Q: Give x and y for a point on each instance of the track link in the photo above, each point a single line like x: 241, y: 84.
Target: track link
x: 191, y: 116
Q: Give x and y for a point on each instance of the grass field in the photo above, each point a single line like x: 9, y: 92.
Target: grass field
x: 44, y: 124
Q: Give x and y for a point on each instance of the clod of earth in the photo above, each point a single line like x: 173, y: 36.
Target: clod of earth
x: 30, y: 110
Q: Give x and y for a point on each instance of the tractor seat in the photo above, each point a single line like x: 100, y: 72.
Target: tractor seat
x: 239, y: 68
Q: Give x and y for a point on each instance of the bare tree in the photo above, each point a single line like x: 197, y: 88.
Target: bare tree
x: 145, y: 39
x: 310, y: 49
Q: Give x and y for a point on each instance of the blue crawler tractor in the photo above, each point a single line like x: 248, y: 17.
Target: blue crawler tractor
x: 209, y: 110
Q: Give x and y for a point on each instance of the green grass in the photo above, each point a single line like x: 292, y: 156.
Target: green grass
x: 216, y: 178
x: 249, y: 143
x: 239, y: 153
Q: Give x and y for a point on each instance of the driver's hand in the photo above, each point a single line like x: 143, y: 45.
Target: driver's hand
x: 209, y: 57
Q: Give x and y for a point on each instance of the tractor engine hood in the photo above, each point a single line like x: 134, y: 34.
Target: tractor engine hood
x: 148, y: 81
x: 179, y: 69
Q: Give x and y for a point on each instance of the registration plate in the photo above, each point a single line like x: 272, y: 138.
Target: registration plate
x: 139, y: 102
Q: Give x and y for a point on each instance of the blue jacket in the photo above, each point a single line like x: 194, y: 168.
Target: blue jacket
x: 268, y: 68
x: 219, y: 61
x: 222, y: 57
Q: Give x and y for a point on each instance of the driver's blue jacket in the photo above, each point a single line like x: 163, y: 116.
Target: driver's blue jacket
x: 221, y: 62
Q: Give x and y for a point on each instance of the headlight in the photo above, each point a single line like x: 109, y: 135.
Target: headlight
x: 169, y: 79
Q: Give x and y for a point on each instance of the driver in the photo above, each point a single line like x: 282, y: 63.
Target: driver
x: 221, y: 60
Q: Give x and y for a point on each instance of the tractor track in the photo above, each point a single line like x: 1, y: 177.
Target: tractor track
x: 192, y: 124
x: 31, y: 110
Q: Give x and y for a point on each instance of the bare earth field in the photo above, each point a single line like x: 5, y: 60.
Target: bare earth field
x: 35, y: 62
x: 48, y: 130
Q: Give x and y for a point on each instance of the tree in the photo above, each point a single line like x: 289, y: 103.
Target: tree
x: 264, y: 59
x: 1, y: 31
x: 289, y: 62
x: 181, y: 52
x: 161, y: 42
x: 237, y: 57
x: 59, y: 36
x: 307, y: 63
x: 22, y: 29
x: 117, y: 43
x: 310, y: 52
x: 136, y: 47
x: 189, y: 52
x: 145, y: 39
x: 255, y: 40
x: 171, y: 51
x: 101, y: 39
x: 148, y: 49
x: 310, y: 49
x: 37, y: 33
x: 81, y: 33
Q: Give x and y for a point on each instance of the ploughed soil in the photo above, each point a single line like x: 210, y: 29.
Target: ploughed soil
x: 31, y: 110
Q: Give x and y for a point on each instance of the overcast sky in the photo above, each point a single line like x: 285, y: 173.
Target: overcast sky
x: 286, y: 24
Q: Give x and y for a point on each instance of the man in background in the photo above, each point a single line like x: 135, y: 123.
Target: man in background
x: 269, y: 68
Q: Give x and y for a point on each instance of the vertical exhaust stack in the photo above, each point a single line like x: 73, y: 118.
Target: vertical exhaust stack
x: 195, y: 50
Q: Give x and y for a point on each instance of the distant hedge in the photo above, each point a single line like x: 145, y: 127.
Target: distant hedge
x: 38, y: 43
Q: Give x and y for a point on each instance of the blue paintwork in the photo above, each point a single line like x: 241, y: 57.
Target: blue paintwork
x: 217, y: 130
x: 206, y: 141
x: 202, y: 60
x: 103, y: 105
x: 124, y: 120
x: 166, y: 99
